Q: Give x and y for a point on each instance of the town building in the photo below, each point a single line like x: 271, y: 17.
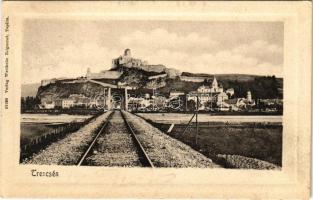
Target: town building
x: 192, y: 79
x: 208, y: 95
x: 80, y: 100
x: 48, y: 105
x: 139, y: 103
x: 236, y: 104
x: 74, y: 100
x: 157, y: 76
x: 175, y: 93
x: 249, y: 97
x: 65, y: 103
x: 229, y: 105
x: 221, y: 97
x: 230, y: 92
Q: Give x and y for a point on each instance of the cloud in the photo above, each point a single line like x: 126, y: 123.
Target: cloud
x: 68, y: 61
x: 262, y: 50
x: 181, y: 51
x: 221, y: 62
x: 188, y: 51
x: 157, y: 39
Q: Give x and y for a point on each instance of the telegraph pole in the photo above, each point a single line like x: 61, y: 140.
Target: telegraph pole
x: 153, y: 93
x: 104, y: 99
x: 194, y: 115
x: 186, y: 102
x: 211, y: 101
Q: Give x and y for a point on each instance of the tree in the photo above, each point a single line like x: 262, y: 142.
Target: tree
x: 22, y: 104
x: 29, y: 103
x: 191, y: 105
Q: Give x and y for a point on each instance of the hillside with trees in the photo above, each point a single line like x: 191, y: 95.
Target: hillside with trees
x: 261, y: 87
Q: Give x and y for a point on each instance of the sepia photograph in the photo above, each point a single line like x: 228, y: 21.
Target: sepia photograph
x: 152, y: 93
x: 156, y: 100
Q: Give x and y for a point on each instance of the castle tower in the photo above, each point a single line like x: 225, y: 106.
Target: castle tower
x: 127, y: 53
x: 125, y: 58
x: 114, y: 63
x: 249, y: 96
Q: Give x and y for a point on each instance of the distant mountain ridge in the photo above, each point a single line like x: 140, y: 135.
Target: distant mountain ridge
x: 29, y: 89
x: 239, y: 77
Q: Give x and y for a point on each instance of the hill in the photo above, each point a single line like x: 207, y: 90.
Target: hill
x: 229, y: 77
x: 260, y: 86
x: 143, y: 77
x: 64, y: 90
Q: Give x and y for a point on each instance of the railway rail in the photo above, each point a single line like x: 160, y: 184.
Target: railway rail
x: 102, y: 138
x: 145, y: 158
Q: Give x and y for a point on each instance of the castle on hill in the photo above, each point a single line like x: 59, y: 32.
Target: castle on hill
x: 126, y: 60
x: 210, y: 95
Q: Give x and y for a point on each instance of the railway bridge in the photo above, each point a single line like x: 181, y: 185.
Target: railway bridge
x: 114, y: 96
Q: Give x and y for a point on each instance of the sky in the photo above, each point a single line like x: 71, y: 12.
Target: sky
x: 55, y: 48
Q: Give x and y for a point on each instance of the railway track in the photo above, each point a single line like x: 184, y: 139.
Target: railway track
x: 116, y: 144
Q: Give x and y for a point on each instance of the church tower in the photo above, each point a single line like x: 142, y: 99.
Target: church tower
x: 249, y: 96
x: 215, y: 84
x: 88, y: 74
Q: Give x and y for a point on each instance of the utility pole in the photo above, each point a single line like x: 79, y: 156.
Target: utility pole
x: 211, y: 99
x: 153, y: 93
x: 104, y: 99
x: 109, y: 99
x: 194, y: 115
x: 186, y: 100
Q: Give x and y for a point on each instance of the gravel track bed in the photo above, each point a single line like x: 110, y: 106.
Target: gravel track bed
x: 69, y: 150
x: 242, y: 162
x: 115, y: 146
x: 163, y: 150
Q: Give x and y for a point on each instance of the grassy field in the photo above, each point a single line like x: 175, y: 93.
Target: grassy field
x: 180, y: 118
x: 261, y: 140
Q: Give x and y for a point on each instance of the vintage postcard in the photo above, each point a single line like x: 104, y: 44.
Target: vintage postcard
x: 156, y: 99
